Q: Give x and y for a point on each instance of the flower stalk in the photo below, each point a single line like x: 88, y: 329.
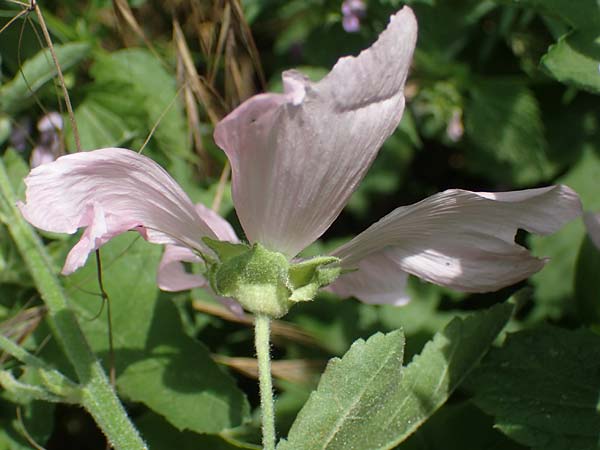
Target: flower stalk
x: 263, y: 353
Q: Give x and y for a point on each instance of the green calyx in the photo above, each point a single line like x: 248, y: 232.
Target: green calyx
x: 263, y: 281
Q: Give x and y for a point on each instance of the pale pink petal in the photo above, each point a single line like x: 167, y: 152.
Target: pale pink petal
x: 110, y: 191
x: 378, y: 280
x: 592, y: 224
x: 297, y: 157
x: 222, y: 229
x: 465, y: 240
x: 172, y: 275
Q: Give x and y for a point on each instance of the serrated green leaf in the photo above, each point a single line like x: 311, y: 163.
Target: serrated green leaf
x: 365, y: 401
x: 503, y: 121
x: 542, y: 387
x: 351, y: 389
x: 37, y: 71
x: 156, y: 362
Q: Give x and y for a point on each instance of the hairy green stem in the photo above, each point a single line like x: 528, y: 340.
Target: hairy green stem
x: 98, y: 398
x: 261, y: 339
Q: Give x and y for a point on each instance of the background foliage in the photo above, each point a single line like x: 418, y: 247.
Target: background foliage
x: 502, y: 95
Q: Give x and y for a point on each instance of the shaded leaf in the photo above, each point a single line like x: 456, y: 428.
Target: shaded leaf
x: 160, y: 435
x: 554, y: 284
x: 503, y: 122
x: 587, y: 283
x: 542, y: 386
x: 459, y: 427
x: 38, y: 419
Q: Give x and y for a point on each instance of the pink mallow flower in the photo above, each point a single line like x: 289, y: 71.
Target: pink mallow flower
x: 296, y: 158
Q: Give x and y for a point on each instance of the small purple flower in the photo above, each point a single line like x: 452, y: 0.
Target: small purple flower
x: 353, y: 11
x: 20, y: 133
x: 48, y: 147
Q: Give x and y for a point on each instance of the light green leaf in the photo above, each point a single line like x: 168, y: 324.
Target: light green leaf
x: 156, y: 362
x: 142, y: 73
x: 575, y: 59
x: 37, y: 71
x: 100, y: 127
x: 365, y: 400
x: 351, y: 389
x: 542, y: 386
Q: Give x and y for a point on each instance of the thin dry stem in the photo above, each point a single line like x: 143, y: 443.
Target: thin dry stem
x: 59, y: 73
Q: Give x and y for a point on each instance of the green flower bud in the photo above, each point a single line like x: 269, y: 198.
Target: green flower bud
x: 263, y: 281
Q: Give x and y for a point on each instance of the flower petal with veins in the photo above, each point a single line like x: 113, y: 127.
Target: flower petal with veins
x: 378, y: 280
x: 172, y: 275
x: 110, y: 191
x: 465, y: 240
x: 297, y: 157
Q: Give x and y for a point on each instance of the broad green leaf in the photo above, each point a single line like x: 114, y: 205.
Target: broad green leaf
x: 37, y: 71
x: 575, y: 59
x: 542, y: 387
x: 100, y: 127
x: 156, y: 362
x: 503, y: 121
x: 365, y: 400
x: 142, y: 73
x: 554, y: 283
x: 351, y: 389
x: 587, y: 283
